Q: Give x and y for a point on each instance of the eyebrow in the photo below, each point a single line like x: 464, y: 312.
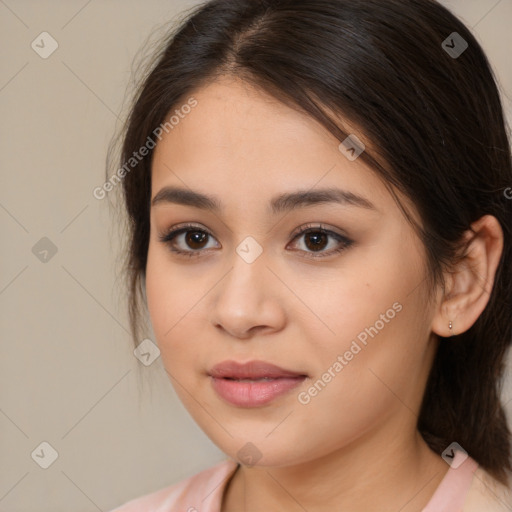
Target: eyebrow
x: 282, y: 203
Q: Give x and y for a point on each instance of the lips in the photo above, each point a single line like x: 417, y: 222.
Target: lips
x: 253, y: 370
x: 252, y: 384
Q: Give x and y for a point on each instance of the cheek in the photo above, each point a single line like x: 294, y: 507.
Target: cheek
x: 377, y: 323
x: 159, y: 297
x: 358, y: 384
x: 383, y: 363
x: 173, y: 298
x: 371, y: 293
x: 166, y: 298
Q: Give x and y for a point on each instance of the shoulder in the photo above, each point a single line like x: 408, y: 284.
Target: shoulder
x: 488, y: 494
x: 202, y: 491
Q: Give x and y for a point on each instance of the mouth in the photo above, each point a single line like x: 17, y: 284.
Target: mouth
x: 252, y: 384
x: 252, y: 370
x: 262, y: 379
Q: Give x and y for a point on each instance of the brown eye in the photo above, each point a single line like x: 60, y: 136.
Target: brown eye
x: 190, y: 240
x: 316, y: 240
x: 187, y: 240
x: 196, y: 239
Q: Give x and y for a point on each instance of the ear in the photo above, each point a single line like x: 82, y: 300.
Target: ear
x: 469, y: 284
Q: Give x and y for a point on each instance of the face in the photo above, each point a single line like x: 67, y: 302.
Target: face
x: 331, y: 291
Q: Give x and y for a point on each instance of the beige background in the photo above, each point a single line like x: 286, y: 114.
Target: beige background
x: 68, y: 376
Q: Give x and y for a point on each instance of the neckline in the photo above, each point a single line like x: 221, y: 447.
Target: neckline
x: 449, y: 495
x: 452, y: 492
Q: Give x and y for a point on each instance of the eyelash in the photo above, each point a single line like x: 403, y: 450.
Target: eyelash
x: 168, y: 237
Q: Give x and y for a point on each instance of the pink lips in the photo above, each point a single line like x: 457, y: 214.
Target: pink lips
x: 252, y: 384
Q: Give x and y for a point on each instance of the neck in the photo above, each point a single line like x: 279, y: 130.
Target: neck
x: 374, y: 473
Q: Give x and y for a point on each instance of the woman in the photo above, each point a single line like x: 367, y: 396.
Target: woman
x: 318, y: 223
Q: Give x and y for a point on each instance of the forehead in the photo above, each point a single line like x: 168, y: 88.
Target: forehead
x: 240, y: 142
x: 239, y: 121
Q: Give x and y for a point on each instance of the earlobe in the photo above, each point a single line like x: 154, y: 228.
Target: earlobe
x: 469, y: 283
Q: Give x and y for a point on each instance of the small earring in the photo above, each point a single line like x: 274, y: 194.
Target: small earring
x: 450, y: 325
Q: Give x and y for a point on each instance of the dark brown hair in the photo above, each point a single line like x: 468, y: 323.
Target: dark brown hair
x: 438, y: 135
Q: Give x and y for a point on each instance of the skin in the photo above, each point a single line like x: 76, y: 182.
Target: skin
x: 355, y: 443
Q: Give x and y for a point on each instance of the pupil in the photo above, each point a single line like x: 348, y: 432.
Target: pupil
x: 319, y: 239
x: 195, y: 237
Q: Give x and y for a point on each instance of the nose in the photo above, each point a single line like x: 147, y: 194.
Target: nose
x: 249, y: 300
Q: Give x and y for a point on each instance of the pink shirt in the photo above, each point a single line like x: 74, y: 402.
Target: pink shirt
x: 464, y: 489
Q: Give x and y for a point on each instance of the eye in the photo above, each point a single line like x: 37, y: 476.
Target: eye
x: 193, y: 236
x: 316, y: 239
